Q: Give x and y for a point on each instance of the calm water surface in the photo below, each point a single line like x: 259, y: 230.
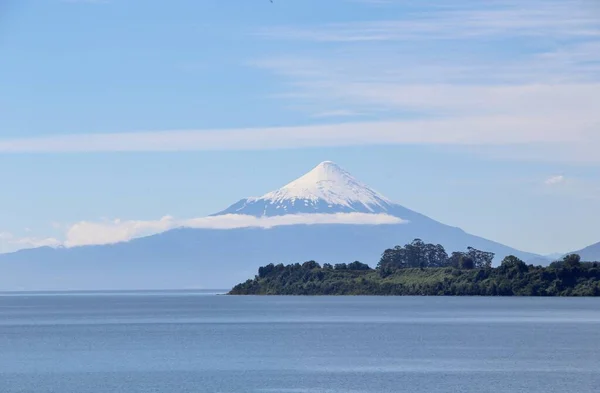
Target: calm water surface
x: 198, y: 342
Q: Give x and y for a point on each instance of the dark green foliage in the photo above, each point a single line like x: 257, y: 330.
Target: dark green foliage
x: 466, y: 262
x: 481, y: 259
x: 415, y: 254
x: 462, y: 274
x: 512, y: 267
x: 311, y: 265
x: 264, y: 271
x: 358, y: 266
x: 423, y: 255
x: 572, y: 260
x: 454, y: 259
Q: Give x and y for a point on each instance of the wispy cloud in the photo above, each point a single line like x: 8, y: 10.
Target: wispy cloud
x: 558, y: 129
x: 519, y: 74
x: 9, y: 242
x: 549, y: 18
x: 535, y: 19
x: 554, y: 180
x: 89, y: 233
x: 573, y: 188
x: 486, y: 70
x: 85, y: 233
x: 108, y: 232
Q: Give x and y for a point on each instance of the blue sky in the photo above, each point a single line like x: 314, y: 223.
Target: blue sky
x: 483, y: 115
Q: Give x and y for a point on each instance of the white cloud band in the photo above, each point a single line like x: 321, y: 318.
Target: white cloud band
x: 91, y: 233
x: 468, y: 130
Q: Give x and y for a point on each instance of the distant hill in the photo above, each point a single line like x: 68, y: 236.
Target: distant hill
x: 219, y: 258
x: 590, y: 253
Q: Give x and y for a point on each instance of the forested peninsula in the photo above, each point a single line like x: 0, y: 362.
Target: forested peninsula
x: 421, y: 269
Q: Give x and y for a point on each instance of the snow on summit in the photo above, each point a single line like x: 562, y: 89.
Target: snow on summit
x: 329, y: 183
x: 327, y: 188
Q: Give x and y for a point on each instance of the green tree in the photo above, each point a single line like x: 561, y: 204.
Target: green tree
x: 311, y: 265
x: 481, y: 259
x: 512, y: 266
x: 356, y: 265
x: 466, y: 262
x: 416, y: 253
x: 572, y: 260
x: 454, y: 259
x: 393, y: 258
x: 264, y: 271
x: 435, y: 255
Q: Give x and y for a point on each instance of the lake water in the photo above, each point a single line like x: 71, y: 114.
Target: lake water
x: 198, y: 342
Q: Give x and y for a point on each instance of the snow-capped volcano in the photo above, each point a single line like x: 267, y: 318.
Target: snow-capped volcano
x: 327, y: 188
x: 219, y: 257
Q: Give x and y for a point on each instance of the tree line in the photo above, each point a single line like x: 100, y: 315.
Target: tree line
x: 419, y: 254
x: 419, y: 268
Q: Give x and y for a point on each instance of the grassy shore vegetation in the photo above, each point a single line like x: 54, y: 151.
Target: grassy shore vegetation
x: 426, y: 269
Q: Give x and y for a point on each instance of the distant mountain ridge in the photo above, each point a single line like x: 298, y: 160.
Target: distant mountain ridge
x: 219, y: 258
x: 589, y: 253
